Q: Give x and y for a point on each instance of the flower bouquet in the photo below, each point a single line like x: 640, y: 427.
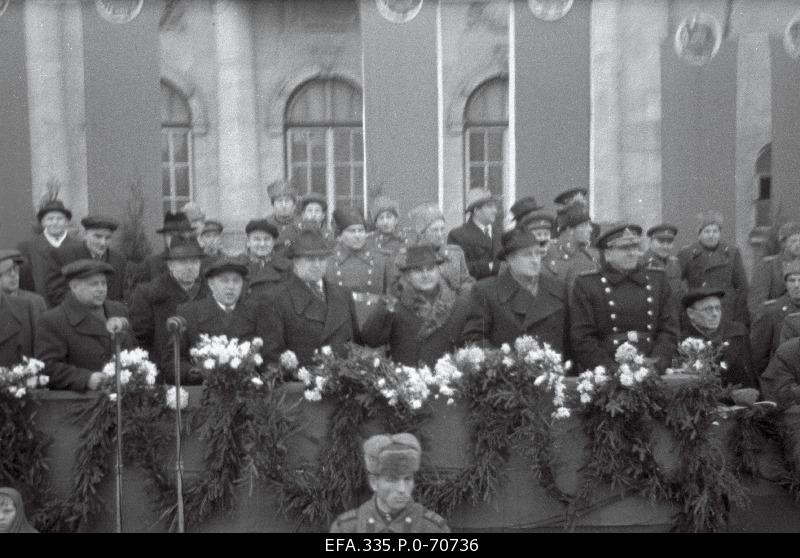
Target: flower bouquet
x: 18, y: 380
x: 137, y: 373
x: 228, y: 363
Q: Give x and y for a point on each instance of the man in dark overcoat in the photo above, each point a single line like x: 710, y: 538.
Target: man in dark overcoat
x: 712, y: 263
x: 769, y: 274
x: 154, y: 302
x: 175, y: 225
x: 765, y: 334
x: 476, y: 237
x: 780, y: 382
x: 54, y: 219
x: 706, y: 321
x: 266, y: 268
x: 17, y: 327
x: 307, y: 312
x: 622, y: 300
x: 519, y: 301
x: 97, y: 233
x: 223, y: 312
x: 10, y: 263
x: 71, y: 339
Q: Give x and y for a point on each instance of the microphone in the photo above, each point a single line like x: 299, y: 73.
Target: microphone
x: 117, y: 325
x: 176, y: 324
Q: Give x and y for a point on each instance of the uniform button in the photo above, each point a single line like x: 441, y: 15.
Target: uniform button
x: 704, y: 283
x: 340, y: 283
x: 369, y: 272
x: 408, y: 520
x: 608, y: 289
x: 615, y: 329
x: 613, y: 316
x: 650, y: 299
x: 369, y: 283
x: 649, y: 326
x: 338, y: 272
x: 603, y: 280
x: 649, y: 312
x: 370, y: 521
x: 616, y: 342
x: 648, y: 287
x: 611, y: 303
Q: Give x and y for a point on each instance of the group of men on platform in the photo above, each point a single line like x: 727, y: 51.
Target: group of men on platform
x: 417, y: 292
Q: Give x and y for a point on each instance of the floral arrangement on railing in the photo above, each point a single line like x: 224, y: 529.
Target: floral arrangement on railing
x: 137, y: 373
x: 18, y: 379
x: 228, y: 363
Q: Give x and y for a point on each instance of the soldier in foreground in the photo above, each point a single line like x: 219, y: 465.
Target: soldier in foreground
x: 391, y: 463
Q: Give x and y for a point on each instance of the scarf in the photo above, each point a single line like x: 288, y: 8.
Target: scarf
x: 20, y: 523
x: 434, y: 312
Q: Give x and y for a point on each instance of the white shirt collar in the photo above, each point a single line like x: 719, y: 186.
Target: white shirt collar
x: 56, y: 242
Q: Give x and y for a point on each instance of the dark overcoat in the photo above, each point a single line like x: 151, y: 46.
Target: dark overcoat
x: 206, y: 316
x: 299, y: 321
x: 148, y: 269
x: 768, y: 282
x: 37, y: 253
x: 73, y: 342
x: 607, y: 304
x: 721, y: 268
x: 566, y: 260
x: 287, y: 230
x: 780, y: 382
x: 37, y: 301
x: 17, y: 328
x: 263, y: 278
x: 151, y: 304
x: 368, y: 519
x: 57, y: 287
x: 479, y: 249
x: 765, y: 333
x: 736, y: 356
x: 501, y: 310
x: 672, y: 270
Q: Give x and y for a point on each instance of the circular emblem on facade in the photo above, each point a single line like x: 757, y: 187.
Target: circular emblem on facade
x: 550, y: 10
x: 3, y: 6
x: 697, y: 39
x: 399, y: 11
x: 791, y: 37
x: 119, y: 11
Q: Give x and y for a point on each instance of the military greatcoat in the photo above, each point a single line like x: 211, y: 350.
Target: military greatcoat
x: 365, y: 273
x: 287, y: 229
x: 369, y: 519
x: 501, y: 310
x: 479, y: 249
x: 568, y: 260
x: 17, y: 327
x: 768, y: 282
x: 73, y: 342
x: 607, y: 304
x: 672, y: 270
x: 388, y: 244
x: 454, y: 268
x: 720, y: 268
x: 765, y: 334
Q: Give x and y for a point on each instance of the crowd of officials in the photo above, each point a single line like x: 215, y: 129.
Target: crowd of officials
x: 415, y: 291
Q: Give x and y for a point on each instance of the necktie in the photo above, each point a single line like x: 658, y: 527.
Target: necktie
x: 228, y: 309
x: 317, y: 289
x: 488, y: 230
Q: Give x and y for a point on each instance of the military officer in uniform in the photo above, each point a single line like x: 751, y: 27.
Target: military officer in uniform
x: 620, y: 297
x: 429, y: 227
x: 10, y: 262
x: 391, y: 462
x: 659, y: 254
x: 790, y: 328
x: 571, y: 253
x: 265, y: 268
x: 519, y: 301
x: 575, y: 196
x: 72, y: 339
x: 284, y: 217
x: 477, y: 237
x: 765, y: 334
x: 387, y: 237
x: 768, y: 275
x: 711, y: 263
x: 97, y: 233
x: 355, y: 266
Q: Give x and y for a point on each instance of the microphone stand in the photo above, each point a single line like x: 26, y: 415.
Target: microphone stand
x: 176, y: 340
x: 118, y: 494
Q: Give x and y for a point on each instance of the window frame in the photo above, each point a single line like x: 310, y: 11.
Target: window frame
x: 170, y: 128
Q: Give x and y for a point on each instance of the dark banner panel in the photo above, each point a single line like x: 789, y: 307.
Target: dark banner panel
x: 698, y: 140
x: 553, y: 101
x: 400, y: 104
x: 785, y: 133
x: 16, y: 207
x: 123, y: 118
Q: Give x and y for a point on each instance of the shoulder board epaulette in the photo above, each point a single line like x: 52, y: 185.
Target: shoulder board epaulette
x: 771, y: 301
x: 672, y: 259
x: 454, y: 248
x: 770, y: 258
x: 793, y: 315
x: 349, y: 515
x: 588, y: 272
x: 434, y: 517
x: 652, y: 268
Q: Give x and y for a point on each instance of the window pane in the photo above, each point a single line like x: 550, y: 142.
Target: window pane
x: 341, y: 145
x: 164, y: 146
x: 317, y: 141
x: 165, y: 189
x: 494, y: 146
x: 475, y: 176
x: 298, y: 150
x: 182, y: 181
x: 358, y: 180
x: 167, y: 205
x: 342, y: 177
x: 476, y: 145
x: 179, y: 146
x: 496, y: 180
x: 299, y: 178
x: 318, y: 179
x: 358, y: 147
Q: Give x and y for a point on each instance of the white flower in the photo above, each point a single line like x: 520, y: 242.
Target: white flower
x: 209, y: 364
x: 561, y: 412
x: 312, y: 395
x: 539, y: 380
x: 505, y: 349
x: 32, y: 382
x: 508, y: 362
x: 625, y: 353
x: 526, y: 344
x: 381, y: 382
x: 641, y: 374
x: 124, y: 376
x: 568, y: 365
x: 112, y: 396
x: 586, y: 398
x: 723, y: 365
x: 44, y: 380
x: 184, y: 398
x: 257, y: 343
x: 257, y: 360
x: 633, y: 337
x: 320, y: 382
x: 450, y: 401
x: 669, y: 371
x: 235, y: 362
x: 326, y: 350
x: 698, y: 365
x: 304, y: 375
x: 416, y: 404
x: 376, y: 363
x: 289, y: 360
x: 256, y: 381
x: 626, y: 379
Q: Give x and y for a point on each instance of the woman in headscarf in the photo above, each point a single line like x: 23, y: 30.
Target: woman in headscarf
x: 12, y: 513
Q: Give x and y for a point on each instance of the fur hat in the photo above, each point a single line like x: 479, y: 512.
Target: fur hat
x: 99, y: 222
x: 396, y: 454
x: 381, y: 204
x: 787, y: 230
x: 710, y: 217
x: 193, y: 212
x: 476, y: 197
x: 344, y: 217
x: 424, y: 215
x: 791, y: 267
x: 313, y: 197
x: 573, y: 215
x: 280, y: 188
x: 261, y: 225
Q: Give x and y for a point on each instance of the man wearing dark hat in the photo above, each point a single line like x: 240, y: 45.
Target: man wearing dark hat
x: 18, y: 315
x: 155, y: 301
x: 355, y: 266
x: 284, y: 217
x: 622, y: 300
x: 659, y: 254
x: 10, y: 262
x: 477, y: 237
x: 391, y: 461
x: 210, y: 238
x: 765, y: 334
x: 573, y: 195
x: 387, y: 237
x: 175, y: 225
x: 54, y: 218
x: 265, y: 269
x: 768, y: 275
x: 72, y: 339
x: 196, y: 217
x: 222, y: 312
x: 519, y: 301
x: 307, y: 312
x: 571, y: 253
x: 426, y: 321
x: 97, y: 233
x: 314, y: 214
x: 712, y: 263
x: 705, y: 320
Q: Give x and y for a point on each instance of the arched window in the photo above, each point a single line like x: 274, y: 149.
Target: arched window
x: 176, y: 150
x: 324, y: 150
x: 763, y: 186
x: 485, y: 136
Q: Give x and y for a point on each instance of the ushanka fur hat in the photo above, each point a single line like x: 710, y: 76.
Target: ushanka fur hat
x: 396, y: 454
